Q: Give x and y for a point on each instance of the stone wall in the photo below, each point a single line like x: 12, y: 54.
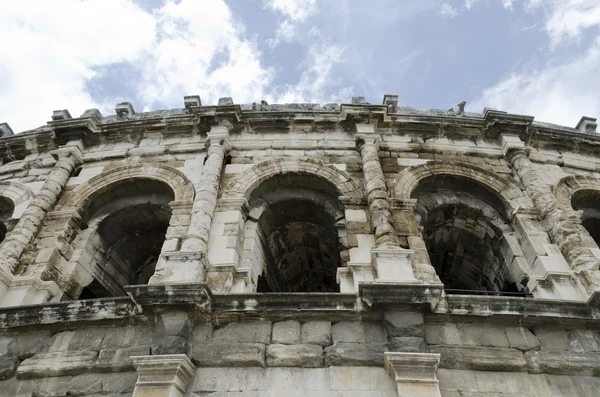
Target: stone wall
x: 288, y: 250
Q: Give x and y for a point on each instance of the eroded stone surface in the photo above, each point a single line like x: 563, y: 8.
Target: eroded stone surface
x: 307, y: 356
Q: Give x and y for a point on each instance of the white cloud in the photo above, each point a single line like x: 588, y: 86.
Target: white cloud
x: 564, y: 88
x: 294, y: 12
x: 448, y: 11
x: 317, y: 79
x: 49, y: 51
x: 567, y: 18
x: 209, y: 56
x: 470, y: 3
x: 507, y: 4
x: 560, y: 93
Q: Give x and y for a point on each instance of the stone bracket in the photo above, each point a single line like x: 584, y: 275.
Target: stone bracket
x: 163, y: 375
x: 415, y: 374
x: 195, y: 294
x: 400, y: 293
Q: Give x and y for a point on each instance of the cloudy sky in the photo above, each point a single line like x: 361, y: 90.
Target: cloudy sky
x: 538, y: 57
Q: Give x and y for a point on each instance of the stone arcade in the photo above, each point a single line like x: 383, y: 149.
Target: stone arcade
x: 349, y: 250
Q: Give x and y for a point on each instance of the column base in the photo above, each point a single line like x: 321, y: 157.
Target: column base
x: 415, y: 374
x: 393, y: 265
x: 163, y: 375
x: 180, y: 267
x: 17, y: 291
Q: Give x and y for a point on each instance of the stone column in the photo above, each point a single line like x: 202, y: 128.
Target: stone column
x: 208, y: 188
x: 162, y: 375
x: 11, y: 249
x: 392, y: 262
x: 377, y: 194
x: 415, y: 374
x: 562, y: 224
x: 190, y: 262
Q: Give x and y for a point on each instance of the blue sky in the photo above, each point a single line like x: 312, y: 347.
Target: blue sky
x: 538, y: 57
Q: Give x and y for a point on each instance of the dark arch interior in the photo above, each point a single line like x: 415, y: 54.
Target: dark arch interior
x: 588, y: 201
x: 7, y: 207
x: 462, y: 225
x: 131, y: 220
x: 298, y: 225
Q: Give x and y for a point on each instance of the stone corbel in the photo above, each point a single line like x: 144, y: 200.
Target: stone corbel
x: 415, y: 374
x: 393, y: 265
x: 163, y: 375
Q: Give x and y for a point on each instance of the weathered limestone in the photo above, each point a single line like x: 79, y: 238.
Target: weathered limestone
x: 391, y: 262
x: 31, y: 289
x: 415, y: 374
x: 192, y: 260
x: 563, y: 226
x: 162, y: 376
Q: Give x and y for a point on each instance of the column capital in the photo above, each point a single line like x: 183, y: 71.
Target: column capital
x: 218, y: 135
x: 414, y: 373
x: 162, y: 375
x: 511, y: 142
x: 73, y: 149
x: 364, y: 139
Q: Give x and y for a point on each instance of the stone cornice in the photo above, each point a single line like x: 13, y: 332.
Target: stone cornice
x: 373, y: 297
x: 92, y: 127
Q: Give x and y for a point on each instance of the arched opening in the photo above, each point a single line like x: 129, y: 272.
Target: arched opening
x: 465, y: 231
x: 7, y: 207
x: 588, y: 201
x: 294, y: 229
x: 126, y: 227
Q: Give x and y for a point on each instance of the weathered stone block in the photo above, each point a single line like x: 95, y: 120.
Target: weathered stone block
x: 584, y: 339
x: 345, y: 353
x: 57, y: 364
x: 286, y: 332
x: 552, y: 339
x: 8, y: 367
x: 29, y: 344
x: 251, y: 332
x: 317, y: 333
x: 400, y: 323
x: 308, y: 356
x: 583, y: 364
x: 481, y: 358
x: 348, y: 331
x: 411, y: 344
x: 117, y: 360
x: 521, y: 339
x: 229, y: 355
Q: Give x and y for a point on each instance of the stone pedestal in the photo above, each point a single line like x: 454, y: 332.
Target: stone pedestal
x: 393, y: 264
x: 415, y: 374
x: 162, y: 376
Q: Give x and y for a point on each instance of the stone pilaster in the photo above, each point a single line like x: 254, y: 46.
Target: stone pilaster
x: 415, y: 374
x: 377, y: 194
x: 392, y: 262
x: 11, y: 249
x: 208, y: 188
x: 562, y: 224
x: 162, y: 375
x: 190, y: 262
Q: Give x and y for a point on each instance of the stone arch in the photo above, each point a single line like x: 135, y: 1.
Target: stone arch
x: 16, y: 192
x: 183, y: 189
x: 242, y: 185
x: 582, y: 193
x: 511, y: 196
x: 569, y: 185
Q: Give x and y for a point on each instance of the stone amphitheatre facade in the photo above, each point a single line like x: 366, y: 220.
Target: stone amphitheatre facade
x: 350, y: 250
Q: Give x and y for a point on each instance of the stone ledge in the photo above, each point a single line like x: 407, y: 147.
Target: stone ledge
x: 376, y: 293
x: 580, y: 364
x: 480, y: 358
x: 481, y: 305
